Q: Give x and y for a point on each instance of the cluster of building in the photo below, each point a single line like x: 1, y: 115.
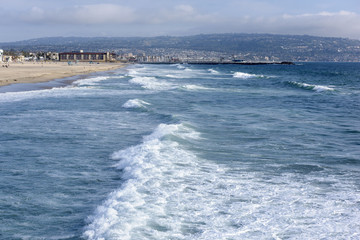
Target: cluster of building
x: 79, y: 56
x: 156, y: 59
x: 5, y: 58
x: 82, y: 56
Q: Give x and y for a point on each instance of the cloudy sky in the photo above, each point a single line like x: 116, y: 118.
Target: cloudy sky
x: 25, y: 19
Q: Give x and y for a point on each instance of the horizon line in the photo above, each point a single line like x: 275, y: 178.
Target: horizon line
x: 190, y: 35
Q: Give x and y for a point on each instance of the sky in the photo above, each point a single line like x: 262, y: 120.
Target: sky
x: 27, y: 19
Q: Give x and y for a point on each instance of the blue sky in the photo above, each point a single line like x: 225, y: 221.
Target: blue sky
x: 25, y: 19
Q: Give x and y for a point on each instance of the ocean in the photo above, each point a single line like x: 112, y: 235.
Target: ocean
x: 184, y: 152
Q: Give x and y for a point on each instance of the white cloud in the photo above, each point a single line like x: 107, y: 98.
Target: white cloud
x: 35, y: 14
x: 330, y: 24
x: 342, y: 23
x: 185, y: 19
x: 185, y: 9
x: 177, y: 14
x: 103, y: 13
x: 85, y: 14
x: 321, y: 14
x: 115, y: 14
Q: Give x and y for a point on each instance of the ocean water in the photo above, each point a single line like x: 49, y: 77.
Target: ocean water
x: 184, y: 152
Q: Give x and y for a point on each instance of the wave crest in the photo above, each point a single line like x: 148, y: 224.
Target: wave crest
x: 152, y: 83
x: 313, y: 87
x: 135, y: 103
x: 212, y: 71
x: 243, y: 75
x: 147, y: 170
x: 90, y: 81
x: 193, y: 87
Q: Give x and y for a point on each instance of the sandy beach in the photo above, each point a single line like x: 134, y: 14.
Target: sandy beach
x: 32, y: 72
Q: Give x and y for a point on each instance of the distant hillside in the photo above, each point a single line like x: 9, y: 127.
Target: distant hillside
x: 245, y: 46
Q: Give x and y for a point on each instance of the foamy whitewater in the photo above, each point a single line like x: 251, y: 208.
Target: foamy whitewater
x: 135, y: 103
x: 185, y: 152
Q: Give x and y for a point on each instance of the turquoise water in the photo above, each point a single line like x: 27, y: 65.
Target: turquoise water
x: 184, y: 152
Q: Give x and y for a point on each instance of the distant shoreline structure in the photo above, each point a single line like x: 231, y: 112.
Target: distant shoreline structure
x: 222, y: 63
x: 204, y: 47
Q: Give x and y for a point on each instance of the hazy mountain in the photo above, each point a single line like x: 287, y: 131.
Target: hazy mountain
x: 246, y: 46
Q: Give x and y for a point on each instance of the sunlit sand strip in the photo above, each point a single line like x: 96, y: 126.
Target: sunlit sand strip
x: 30, y: 72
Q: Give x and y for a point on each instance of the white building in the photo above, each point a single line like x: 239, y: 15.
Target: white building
x: 1, y: 55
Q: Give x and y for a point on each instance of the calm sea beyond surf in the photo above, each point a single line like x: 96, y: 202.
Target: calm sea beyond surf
x: 184, y: 152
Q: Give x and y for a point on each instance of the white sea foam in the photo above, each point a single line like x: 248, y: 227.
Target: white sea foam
x: 212, y: 71
x: 90, y: 81
x: 139, y: 72
x: 132, y: 72
x: 152, y: 83
x: 168, y: 192
x: 53, y: 92
x: 243, y: 75
x: 193, y: 87
x: 180, y: 66
x: 182, y: 74
x: 174, y: 76
x: 317, y: 88
x: 135, y: 103
x: 156, y: 174
x: 20, y: 96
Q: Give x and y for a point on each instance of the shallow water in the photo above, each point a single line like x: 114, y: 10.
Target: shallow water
x: 185, y: 152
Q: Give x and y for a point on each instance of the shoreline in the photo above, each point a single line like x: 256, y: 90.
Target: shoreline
x: 35, y: 72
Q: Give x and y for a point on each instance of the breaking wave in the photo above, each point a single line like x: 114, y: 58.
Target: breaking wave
x: 174, y: 76
x: 152, y: 83
x: 179, y: 66
x: 193, y: 87
x: 313, y: 87
x: 135, y: 103
x: 90, y: 81
x: 168, y: 192
x: 44, y: 93
x: 243, y: 75
x: 157, y: 173
x: 212, y: 71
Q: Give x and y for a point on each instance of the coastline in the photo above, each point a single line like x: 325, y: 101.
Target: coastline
x: 34, y: 72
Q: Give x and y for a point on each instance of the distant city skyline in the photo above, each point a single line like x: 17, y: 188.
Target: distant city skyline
x: 26, y: 19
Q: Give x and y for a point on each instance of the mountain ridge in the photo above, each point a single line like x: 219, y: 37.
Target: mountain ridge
x: 245, y: 46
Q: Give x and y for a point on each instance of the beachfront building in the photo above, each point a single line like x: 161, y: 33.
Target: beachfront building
x: 1, y: 55
x: 53, y: 56
x: 87, y: 56
x: 20, y: 58
x: 7, y: 58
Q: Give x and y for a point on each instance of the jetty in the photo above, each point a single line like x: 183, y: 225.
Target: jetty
x: 221, y: 63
